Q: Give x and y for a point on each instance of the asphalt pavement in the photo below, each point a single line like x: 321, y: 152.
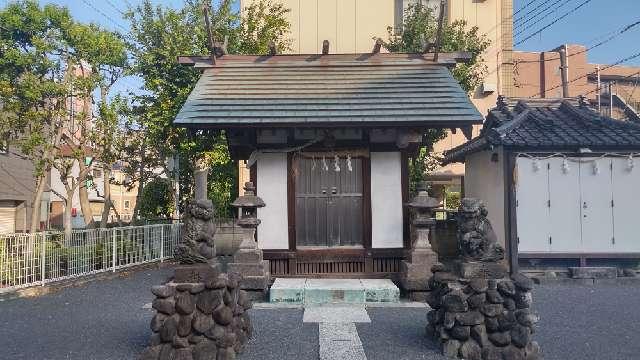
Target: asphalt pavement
x: 109, y: 319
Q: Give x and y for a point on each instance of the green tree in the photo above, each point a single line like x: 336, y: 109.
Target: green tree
x: 158, y: 36
x: 157, y: 199
x: 419, y: 29
x: 34, y: 87
x: 47, y: 60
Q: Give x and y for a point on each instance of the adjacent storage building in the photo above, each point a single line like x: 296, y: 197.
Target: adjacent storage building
x: 559, y: 180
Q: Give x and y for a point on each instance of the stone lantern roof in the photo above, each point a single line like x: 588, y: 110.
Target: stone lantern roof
x: 249, y: 199
x: 422, y: 201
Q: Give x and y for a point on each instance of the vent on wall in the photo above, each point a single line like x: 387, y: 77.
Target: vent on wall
x: 280, y: 267
x: 331, y: 267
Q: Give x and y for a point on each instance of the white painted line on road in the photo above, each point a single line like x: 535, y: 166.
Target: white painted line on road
x: 340, y: 341
x: 335, y: 314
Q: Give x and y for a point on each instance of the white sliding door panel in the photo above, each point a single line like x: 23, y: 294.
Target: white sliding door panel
x: 532, y: 212
x: 564, y: 212
x: 626, y: 197
x: 597, y: 214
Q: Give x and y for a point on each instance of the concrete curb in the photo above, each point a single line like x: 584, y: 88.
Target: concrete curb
x: 50, y: 288
x: 586, y: 282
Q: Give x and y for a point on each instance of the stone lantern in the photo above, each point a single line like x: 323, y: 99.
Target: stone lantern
x: 422, y: 223
x: 248, y: 260
x: 416, y: 270
x: 248, y: 205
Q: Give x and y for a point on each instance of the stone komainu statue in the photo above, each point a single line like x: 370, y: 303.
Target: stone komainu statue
x: 476, y: 239
x: 197, y: 244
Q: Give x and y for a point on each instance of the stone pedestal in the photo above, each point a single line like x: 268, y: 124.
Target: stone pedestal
x: 416, y: 271
x: 199, y: 320
x: 482, y: 317
x: 248, y: 262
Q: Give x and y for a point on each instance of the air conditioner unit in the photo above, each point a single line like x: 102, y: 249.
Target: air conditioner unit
x: 488, y: 88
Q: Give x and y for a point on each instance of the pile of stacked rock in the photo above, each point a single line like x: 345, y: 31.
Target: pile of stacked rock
x: 198, y: 321
x: 201, y: 313
x: 478, y: 311
x: 487, y: 319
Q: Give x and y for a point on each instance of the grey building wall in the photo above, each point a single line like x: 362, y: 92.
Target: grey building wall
x: 17, y: 185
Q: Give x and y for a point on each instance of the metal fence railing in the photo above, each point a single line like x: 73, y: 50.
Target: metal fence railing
x: 35, y: 259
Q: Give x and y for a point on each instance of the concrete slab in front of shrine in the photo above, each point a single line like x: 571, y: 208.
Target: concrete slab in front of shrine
x: 333, y: 291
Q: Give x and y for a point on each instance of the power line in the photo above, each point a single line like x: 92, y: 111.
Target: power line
x: 524, y: 7
x: 631, y: 57
x: 552, y: 23
x: 531, y: 11
x: 626, y: 77
x: 600, y: 43
x: 105, y: 15
x: 115, y: 7
x: 520, y: 27
x: 497, y: 51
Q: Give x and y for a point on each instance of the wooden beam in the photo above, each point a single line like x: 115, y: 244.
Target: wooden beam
x: 439, y: 33
x: 510, y: 224
x: 366, y: 203
x: 467, y: 131
x: 404, y: 184
x: 377, y: 46
x: 207, y: 22
x: 325, y: 47
x: 291, y: 202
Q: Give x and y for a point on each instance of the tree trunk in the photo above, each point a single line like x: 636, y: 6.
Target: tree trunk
x: 136, y: 208
x: 107, y: 196
x: 115, y: 211
x: 83, y: 195
x: 36, y: 203
x: 68, y: 203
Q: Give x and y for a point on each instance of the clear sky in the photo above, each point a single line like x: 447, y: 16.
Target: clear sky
x: 594, y: 21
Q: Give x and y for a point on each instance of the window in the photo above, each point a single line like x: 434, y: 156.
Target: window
x: 97, y: 173
x: 126, y: 204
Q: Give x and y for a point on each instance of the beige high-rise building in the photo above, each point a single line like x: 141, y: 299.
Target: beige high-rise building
x: 350, y: 26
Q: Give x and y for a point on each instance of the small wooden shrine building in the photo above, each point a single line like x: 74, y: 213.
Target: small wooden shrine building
x: 327, y: 138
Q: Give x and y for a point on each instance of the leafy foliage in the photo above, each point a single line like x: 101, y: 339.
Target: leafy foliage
x: 159, y: 35
x: 47, y: 61
x: 157, y: 199
x: 420, y: 28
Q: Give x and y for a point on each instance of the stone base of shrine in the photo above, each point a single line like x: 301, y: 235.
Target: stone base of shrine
x: 484, y: 316
x: 200, y: 314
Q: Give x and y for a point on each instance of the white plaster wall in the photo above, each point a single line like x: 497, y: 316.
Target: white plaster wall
x: 272, y: 188
x: 386, y: 200
x: 484, y: 180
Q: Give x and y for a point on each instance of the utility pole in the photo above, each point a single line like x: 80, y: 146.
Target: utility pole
x: 610, y: 99
x: 564, y: 71
x: 598, y: 88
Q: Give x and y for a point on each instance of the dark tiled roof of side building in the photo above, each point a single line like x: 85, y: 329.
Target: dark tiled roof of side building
x: 549, y: 125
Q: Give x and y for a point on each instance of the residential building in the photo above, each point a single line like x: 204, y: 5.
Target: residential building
x: 351, y: 26
x: 17, y: 186
x: 122, y: 195
x: 537, y: 75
